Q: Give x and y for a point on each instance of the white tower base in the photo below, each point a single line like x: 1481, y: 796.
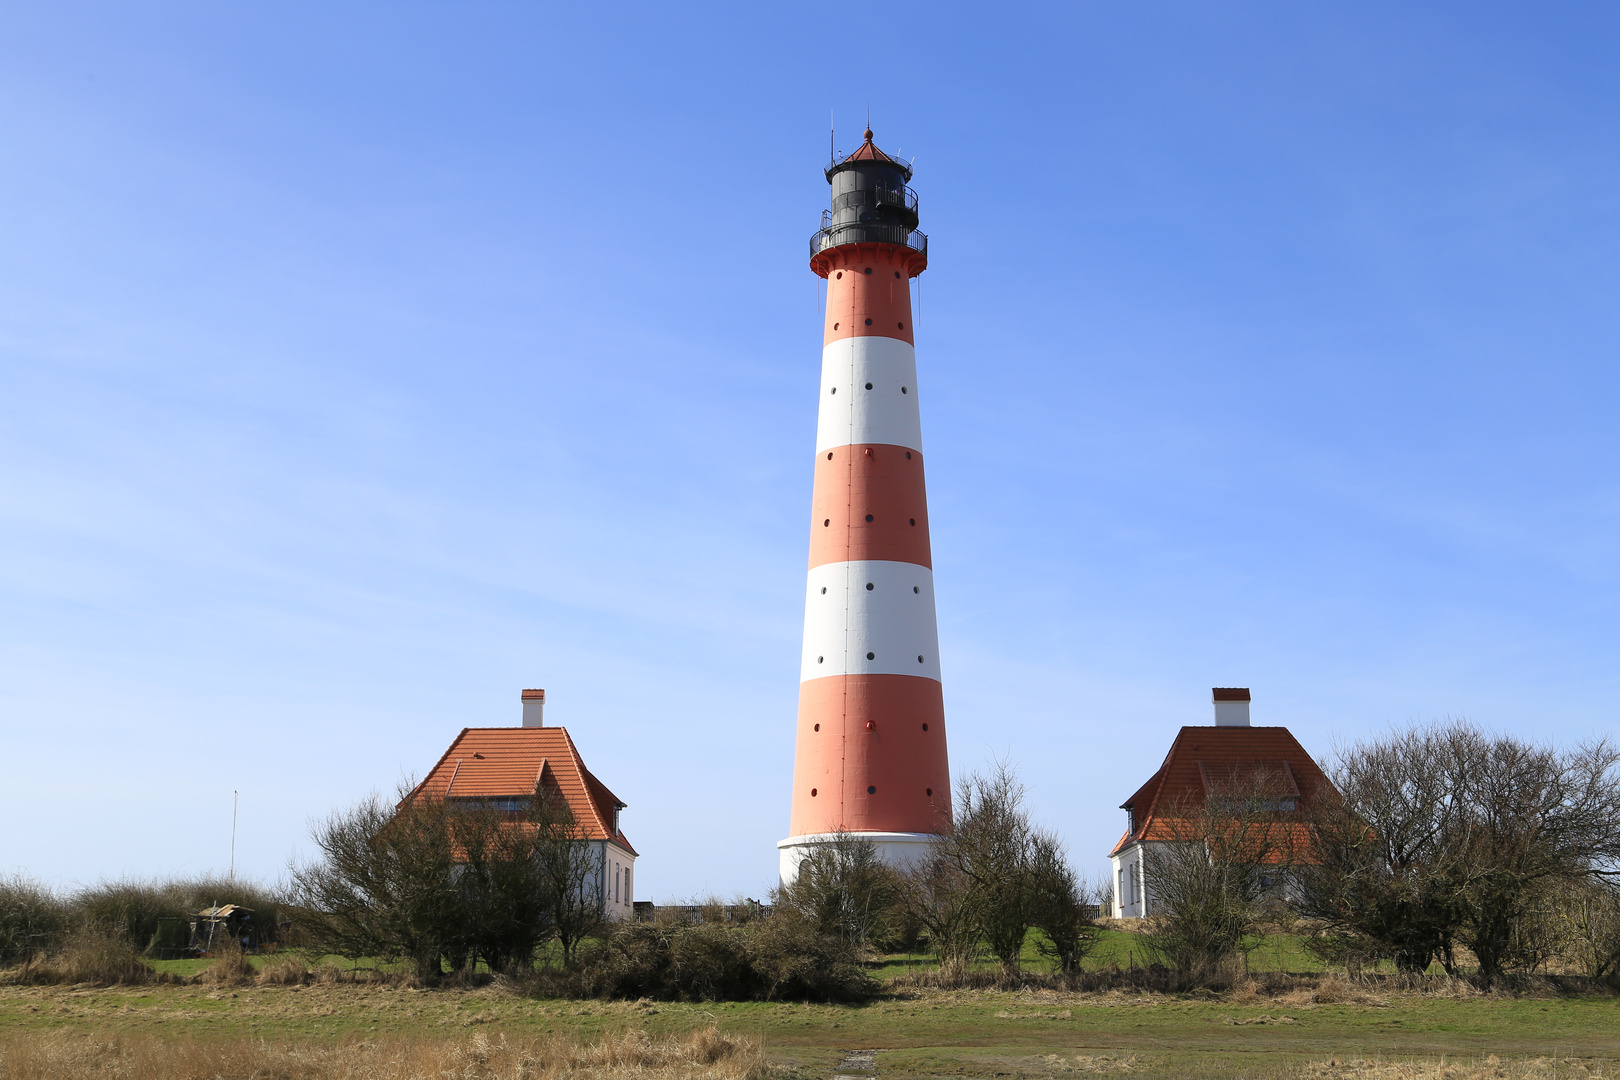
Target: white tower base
x: 901, y: 850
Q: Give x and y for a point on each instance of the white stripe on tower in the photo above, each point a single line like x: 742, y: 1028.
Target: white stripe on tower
x: 853, y: 415
x: 870, y: 617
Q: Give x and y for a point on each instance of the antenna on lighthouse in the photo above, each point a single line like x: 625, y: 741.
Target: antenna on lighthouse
x: 832, y: 139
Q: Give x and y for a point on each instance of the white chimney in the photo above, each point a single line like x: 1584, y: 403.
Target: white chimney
x: 1231, y: 706
x: 534, y: 708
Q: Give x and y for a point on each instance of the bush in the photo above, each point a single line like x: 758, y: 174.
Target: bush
x: 32, y: 919
x: 845, y: 888
x: 135, y: 909
x: 770, y: 959
x: 88, y: 955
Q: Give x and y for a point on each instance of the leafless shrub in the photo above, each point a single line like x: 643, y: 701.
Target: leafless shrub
x: 430, y: 880
x: 88, y: 955
x: 1446, y: 836
x: 992, y: 876
x: 844, y: 888
x: 1061, y: 904
x: 33, y: 919
x: 1219, y: 873
x: 776, y: 958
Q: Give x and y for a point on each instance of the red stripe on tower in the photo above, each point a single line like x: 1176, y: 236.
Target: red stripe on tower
x: 870, y: 753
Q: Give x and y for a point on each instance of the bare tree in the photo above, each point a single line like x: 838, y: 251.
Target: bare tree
x: 843, y: 887
x: 1446, y: 834
x: 1534, y: 816
x: 385, y: 884
x: 944, y: 901
x: 429, y: 879
x: 1221, y: 869
x: 991, y: 847
x: 1381, y: 869
x: 1586, y: 920
x: 569, y: 870
x: 1062, y: 907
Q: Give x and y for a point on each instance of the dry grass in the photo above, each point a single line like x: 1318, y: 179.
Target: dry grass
x: 288, y: 969
x: 1489, y: 1068
x: 230, y: 968
x: 89, y: 955
x: 701, y: 1055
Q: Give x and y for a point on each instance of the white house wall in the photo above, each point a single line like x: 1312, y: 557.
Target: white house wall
x: 615, y: 880
x: 1131, y: 899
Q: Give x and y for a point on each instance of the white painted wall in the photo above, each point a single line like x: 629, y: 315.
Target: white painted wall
x: 1131, y: 886
x: 894, y: 620
x: 852, y: 414
x: 897, y: 849
x: 615, y: 879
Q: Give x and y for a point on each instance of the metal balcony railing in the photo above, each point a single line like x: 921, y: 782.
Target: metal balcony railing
x: 902, y: 198
x: 831, y: 236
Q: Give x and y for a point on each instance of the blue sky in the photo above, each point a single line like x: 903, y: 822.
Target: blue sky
x: 361, y: 365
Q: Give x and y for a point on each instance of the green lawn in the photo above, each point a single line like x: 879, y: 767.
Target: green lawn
x: 929, y: 1033
x: 1278, y: 952
x: 923, y: 1033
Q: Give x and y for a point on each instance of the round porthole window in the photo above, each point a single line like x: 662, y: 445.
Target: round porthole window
x: 840, y: 275
x: 871, y: 656
x: 928, y: 790
x: 820, y: 659
x: 818, y: 726
x: 897, y: 273
x: 916, y: 588
x: 868, y: 322
x: 901, y: 325
x: 825, y: 522
x: 835, y: 326
x: 908, y: 452
x: 868, y: 586
x: 869, y: 386
x: 903, y: 390
x: 829, y: 455
x: 868, y: 517
x: 914, y: 521
x: 925, y: 726
x: 868, y: 269
x: 919, y: 659
x: 812, y: 793
x: 824, y: 590
x: 871, y: 789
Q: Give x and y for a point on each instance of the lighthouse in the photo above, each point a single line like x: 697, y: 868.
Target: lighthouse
x: 869, y: 756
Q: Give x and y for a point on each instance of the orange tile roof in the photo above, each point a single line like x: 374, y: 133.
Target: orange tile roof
x: 509, y: 762
x: 868, y: 151
x: 1205, y: 753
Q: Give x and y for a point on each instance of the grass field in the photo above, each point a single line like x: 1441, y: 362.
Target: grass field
x: 918, y: 1034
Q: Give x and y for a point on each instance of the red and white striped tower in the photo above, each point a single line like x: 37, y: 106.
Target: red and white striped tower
x: 870, y: 754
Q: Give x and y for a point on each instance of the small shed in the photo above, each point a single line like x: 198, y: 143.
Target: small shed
x: 214, y: 926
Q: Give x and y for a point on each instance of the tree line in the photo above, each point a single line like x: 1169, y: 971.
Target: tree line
x: 1437, y: 839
